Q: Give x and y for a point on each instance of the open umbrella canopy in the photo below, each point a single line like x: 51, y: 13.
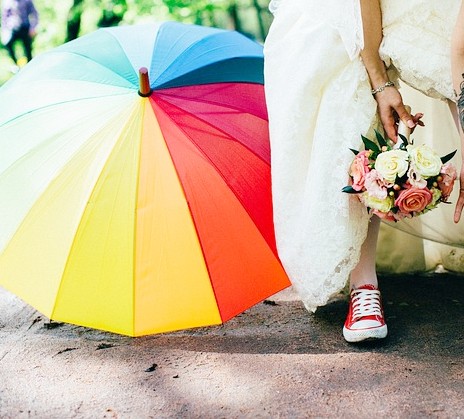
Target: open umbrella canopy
x: 135, y: 180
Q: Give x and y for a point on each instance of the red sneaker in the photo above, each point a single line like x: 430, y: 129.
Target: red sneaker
x: 365, y: 316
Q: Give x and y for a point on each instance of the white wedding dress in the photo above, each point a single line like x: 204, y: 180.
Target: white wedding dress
x: 319, y: 102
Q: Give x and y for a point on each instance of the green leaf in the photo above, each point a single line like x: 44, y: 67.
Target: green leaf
x: 355, y: 152
x: 370, y: 145
x: 382, y: 141
x: 404, y: 139
x: 448, y: 157
x: 349, y: 189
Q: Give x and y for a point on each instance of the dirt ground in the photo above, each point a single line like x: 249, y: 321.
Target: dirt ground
x: 274, y: 361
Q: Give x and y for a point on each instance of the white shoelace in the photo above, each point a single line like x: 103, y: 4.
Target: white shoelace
x: 366, y: 303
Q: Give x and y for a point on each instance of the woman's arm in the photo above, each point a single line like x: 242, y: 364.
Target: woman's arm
x: 389, y: 100
x: 457, y: 70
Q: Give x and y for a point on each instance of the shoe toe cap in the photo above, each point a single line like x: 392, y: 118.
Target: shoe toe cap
x: 365, y: 324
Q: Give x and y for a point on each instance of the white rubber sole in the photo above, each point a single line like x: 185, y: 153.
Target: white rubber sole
x: 353, y: 336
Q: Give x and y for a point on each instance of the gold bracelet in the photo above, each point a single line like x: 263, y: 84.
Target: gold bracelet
x: 382, y: 88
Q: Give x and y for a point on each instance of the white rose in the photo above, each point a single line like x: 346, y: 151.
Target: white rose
x: 382, y: 205
x: 391, y: 164
x: 425, y: 161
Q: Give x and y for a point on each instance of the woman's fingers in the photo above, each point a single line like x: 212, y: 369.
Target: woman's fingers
x: 391, y: 109
x: 388, y: 122
x: 405, y: 116
x: 417, y: 120
x: 459, y: 206
x: 460, y: 203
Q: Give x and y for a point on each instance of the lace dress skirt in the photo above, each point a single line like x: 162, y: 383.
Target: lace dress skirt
x: 319, y: 104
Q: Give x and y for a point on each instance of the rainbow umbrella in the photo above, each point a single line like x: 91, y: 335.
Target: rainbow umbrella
x: 135, y: 180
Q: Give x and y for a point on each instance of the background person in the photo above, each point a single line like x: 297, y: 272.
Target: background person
x: 18, y: 24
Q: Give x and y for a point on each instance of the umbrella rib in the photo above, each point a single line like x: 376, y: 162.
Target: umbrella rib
x: 174, y: 82
x: 196, y: 230
x: 214, y: 165
x: 51, y: 105
x: 190, y: 47
x: 212, y: 102
x: 204, y: 257
x: 95, y: 62
x: 91, y: 192
x: 180, y: 55
x: 216, y: 128
x: 134, y: 236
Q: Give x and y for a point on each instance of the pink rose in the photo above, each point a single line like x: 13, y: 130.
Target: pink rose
x: 413, y: 200
x: 448, y: 175
x: 375, y: 184
x: 398, y: 216
x: 387, y: 216
x: 359, y: 168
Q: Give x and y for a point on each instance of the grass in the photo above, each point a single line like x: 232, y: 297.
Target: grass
x: 5, y: 65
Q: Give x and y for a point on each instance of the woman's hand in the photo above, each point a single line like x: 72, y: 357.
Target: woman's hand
x: 460, y: 203
x: 390, y: 103
x: 392, y: 110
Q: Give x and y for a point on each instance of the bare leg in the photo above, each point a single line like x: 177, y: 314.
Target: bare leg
x: 365, y: 318
x: 364, y: 272
x: 10, y: 48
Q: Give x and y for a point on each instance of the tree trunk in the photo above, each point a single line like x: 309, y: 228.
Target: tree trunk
x: 233, y: 13
x: 73, y: 24
x: 112, y: 13
x: 262, y: 29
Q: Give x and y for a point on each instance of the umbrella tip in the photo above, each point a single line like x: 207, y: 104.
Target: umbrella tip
x: 144, y: 82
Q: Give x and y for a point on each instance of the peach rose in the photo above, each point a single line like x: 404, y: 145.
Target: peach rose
x: 413, y: 200
x: 359, y: 168
x: 449, y: 175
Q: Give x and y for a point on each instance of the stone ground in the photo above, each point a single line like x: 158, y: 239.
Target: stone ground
x: 273, y: 361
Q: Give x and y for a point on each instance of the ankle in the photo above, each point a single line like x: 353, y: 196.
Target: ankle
x: 369, y: 286
x: 372, y: 282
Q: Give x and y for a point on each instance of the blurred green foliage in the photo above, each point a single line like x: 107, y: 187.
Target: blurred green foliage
x: 57, y: 18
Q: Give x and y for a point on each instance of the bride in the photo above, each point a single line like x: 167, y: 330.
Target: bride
x: 332, y: 72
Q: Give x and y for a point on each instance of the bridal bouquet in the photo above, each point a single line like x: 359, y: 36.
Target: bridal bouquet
x: 396, y: 181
